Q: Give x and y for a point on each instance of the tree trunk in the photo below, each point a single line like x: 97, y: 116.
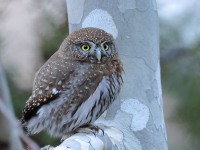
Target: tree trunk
x: 135, y: 121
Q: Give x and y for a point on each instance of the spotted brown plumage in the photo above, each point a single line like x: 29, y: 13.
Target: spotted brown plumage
x: 76, y: 85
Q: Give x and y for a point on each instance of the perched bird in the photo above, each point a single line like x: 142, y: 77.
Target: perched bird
x: 75, y: 86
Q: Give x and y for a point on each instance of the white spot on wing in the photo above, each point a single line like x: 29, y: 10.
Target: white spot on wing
x: 54, y: 91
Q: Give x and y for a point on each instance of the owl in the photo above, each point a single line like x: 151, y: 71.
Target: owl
x: 75, y: 86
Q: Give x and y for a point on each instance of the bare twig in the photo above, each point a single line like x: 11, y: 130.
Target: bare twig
x: 7, y: 111
x: 9, y: 116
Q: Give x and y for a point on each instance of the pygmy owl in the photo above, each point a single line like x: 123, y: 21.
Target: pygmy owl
x: 76, y: 85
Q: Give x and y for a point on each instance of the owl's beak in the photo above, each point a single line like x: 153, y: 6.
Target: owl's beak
x: 98, y: 54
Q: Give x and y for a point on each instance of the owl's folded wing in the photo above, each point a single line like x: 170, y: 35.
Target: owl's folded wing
x: 50, y: 82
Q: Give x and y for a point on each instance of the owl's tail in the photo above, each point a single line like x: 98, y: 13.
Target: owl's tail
x: 27, y: 145
x: 23, y: 125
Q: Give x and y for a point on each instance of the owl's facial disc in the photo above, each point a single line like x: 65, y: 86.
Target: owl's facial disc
x: 94, y: 52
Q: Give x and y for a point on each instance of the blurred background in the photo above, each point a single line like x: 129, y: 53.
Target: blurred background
x: 31, y: 31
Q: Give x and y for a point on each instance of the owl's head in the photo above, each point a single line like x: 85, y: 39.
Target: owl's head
x: 89, y: 45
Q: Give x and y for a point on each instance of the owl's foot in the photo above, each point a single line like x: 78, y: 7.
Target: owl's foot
x: 90, y: 129
x: 65, y: 137
x: 85, y: 129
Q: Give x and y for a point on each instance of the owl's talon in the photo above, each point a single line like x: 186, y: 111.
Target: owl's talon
x: 90, y: 129
x: 96, y: 129
x: 102, y: 131
x: 65, y: 137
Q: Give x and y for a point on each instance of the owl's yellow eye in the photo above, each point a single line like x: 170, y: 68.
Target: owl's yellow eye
x: 85, y: 47
x: 105, y: 46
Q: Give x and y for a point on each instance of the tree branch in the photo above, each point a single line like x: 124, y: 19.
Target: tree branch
x: 15, y: 131
x: 110, y: 140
